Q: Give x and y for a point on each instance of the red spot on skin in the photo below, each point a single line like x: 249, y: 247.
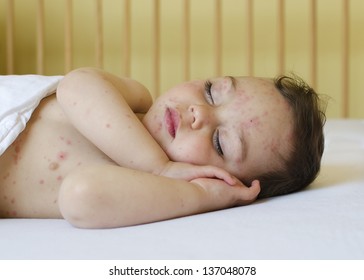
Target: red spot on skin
x: 16, y: 159
x: 159, y: 128
x: 16, y: 156
x: 17, y: 149
x: 14, y: 213
x: 62, y: 155
x: 12, y: 201
x: 68, y: 142
x: 274, y: 146
x: 41, y: 181
x: 59, y: 178
x: 6, y: 175
x: 108, y: 125
x: 254, y: 122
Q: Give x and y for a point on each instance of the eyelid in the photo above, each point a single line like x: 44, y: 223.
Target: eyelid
x: 217, y: 143
x: 208, y: 86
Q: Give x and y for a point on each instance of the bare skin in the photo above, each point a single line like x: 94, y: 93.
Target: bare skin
x: 88, y: 158
x: 33, y: 168
x: 50, y: 149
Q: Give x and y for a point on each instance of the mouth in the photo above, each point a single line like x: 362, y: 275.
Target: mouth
x: 171, y: 118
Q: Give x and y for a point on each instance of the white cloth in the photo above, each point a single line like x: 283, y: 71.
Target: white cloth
x: 19, y: 96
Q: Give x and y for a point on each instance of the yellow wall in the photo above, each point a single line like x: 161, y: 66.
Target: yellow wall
x: 297, y: 42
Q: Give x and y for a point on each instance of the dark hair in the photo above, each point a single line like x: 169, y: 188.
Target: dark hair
x: 304, y: 162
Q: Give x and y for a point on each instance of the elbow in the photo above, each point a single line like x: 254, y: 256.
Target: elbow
x: 69, y: 86
x: 78, y: 202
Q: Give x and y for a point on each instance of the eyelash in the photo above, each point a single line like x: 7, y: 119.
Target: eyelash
x: 216, y: 142
x: 208, y: 86
x: 215, y: 137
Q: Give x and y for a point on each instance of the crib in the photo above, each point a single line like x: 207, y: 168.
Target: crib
x: 165, y: 42
x: 162, y: 43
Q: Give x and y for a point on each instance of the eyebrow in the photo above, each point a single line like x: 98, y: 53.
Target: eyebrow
x: 233, y: 81
x: 244, y: 146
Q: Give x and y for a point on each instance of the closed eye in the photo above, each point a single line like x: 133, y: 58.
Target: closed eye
x: 208, y: 93
x: 216, y: 143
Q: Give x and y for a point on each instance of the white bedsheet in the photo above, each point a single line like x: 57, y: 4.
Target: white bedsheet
x: 326, y: 221
x: 19, y: 96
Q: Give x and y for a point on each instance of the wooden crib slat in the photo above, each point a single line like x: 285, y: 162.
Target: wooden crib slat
x: 99, y: 34
x: 10, y: 37
x: 68, y: 40
x: 345, y: 58
x: 186, y: 40
x: 218, y: 37
x: 250, y: 37
x: 126, y: 52
x: 281, y: 36
x: 40, y: 37
x: 249, y: 12
x: 313, y: 48
x: 156, y: 46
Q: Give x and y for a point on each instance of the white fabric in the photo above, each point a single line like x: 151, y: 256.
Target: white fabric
x: 326, y: 221
x: 19, y: 96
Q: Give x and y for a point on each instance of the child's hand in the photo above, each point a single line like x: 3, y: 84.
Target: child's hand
x: 223, y: 195
x: 188, y: 172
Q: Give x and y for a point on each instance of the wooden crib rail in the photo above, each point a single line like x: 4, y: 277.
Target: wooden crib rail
x: 248, y: 31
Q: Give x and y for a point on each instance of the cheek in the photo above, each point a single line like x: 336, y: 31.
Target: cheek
x: 153, y: 124
x: 270, y: 146
x: 153, y: 119
x: 190, y: 150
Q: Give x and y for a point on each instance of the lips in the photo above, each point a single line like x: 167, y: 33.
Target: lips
x: 172, y: 121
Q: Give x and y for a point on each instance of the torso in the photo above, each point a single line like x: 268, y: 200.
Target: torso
x: 33, y: 167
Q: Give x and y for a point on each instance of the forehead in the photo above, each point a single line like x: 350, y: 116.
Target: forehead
x: 264, y: 122
x: 260, y: 94
x: 255, y: 84
x: 247, y: 87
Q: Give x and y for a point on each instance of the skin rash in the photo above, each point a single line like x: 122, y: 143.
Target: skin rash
x: 251, y: 116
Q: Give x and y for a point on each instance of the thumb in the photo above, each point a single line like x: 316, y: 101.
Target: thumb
x: 250, y: 194
x: 255, y: 189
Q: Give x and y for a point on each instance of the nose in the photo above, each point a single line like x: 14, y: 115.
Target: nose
x: 201, y: 116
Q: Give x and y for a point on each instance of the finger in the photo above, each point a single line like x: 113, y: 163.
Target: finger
x: 249, y: 194
x: 254, y: 190
x: 225, y: 176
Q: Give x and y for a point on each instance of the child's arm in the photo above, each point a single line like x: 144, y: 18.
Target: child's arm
x: 106, y: 196
x: 102, y: 107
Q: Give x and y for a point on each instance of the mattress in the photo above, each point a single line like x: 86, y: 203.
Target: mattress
x: 325, y: 221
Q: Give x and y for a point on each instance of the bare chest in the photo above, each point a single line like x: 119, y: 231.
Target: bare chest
x: 34, y: 166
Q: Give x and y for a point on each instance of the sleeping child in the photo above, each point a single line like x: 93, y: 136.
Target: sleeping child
x: 100, y: 154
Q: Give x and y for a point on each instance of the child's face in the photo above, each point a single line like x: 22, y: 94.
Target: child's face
x: 244, y: 126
